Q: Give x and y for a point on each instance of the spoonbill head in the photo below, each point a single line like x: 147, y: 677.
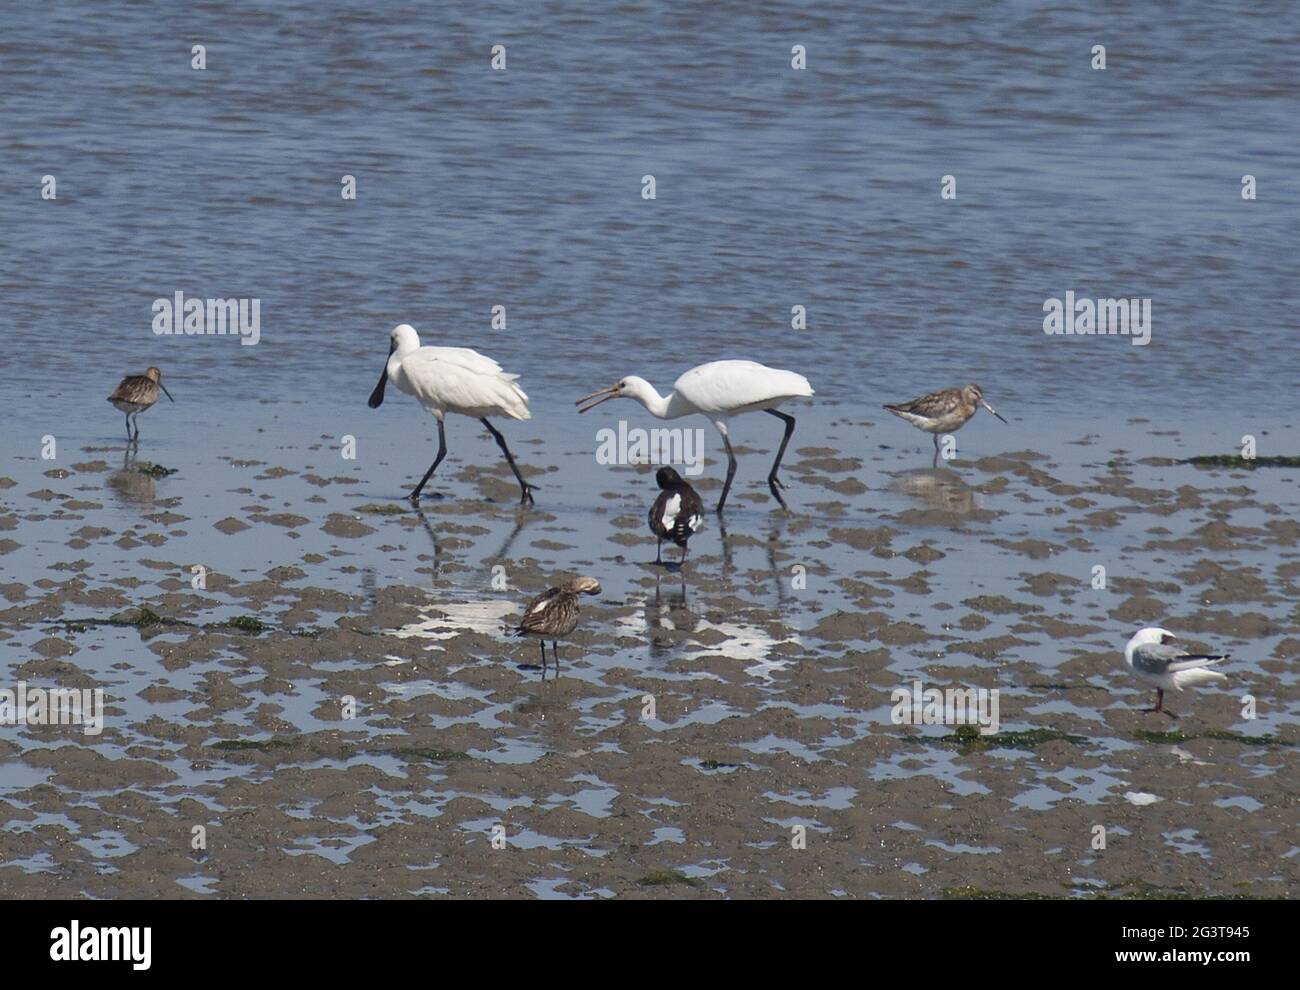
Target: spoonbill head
x: 1152, y: 655
x: 718, y: 390
x: 452, y: 380
x: 630, y: 387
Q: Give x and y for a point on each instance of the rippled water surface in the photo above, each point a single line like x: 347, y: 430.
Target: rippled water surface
x: 775, y: 188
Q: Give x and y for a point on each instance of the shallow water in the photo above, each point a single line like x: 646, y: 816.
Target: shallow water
x: 775, y: 188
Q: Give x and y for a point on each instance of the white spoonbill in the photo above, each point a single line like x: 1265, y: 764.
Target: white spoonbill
x: 1167, y: 667
x: 453, y: 379
x: 718, y: 390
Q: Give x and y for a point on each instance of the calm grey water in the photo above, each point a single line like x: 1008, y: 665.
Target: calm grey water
x: 775, y: 188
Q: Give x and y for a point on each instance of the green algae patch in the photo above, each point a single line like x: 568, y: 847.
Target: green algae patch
x: 666, y: 878
x: 245, y: 623
x: 973, y: 893
x: 1240, y: 463
x: 256, y: 745
x: 969, y: 739
x: 1222, y: 735
x: 433, y: 754
x: 154, y: 470
x: 383, y: 510
x: 712, y: 764
x: 135, y: 618
x: 1127, y: 890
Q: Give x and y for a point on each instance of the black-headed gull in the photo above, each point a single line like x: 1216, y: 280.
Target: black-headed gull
x: 1154, y: 659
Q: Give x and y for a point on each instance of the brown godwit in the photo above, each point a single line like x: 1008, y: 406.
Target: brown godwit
x: 677, y: 513
x: 135, y: 394
x: 943, y: 412
x: 553, y: 615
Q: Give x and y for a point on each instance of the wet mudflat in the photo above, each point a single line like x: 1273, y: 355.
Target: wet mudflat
x: 342, y: 710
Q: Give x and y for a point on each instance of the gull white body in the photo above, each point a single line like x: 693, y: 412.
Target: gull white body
x: 1150, y: 655
x: 453, y: 380
x: 718, y: 390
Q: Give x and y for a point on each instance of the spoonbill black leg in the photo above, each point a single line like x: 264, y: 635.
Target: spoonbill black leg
x: 773, y: 482
x: 731, y: 472
x: 524, y: 486
x: 442, y: 452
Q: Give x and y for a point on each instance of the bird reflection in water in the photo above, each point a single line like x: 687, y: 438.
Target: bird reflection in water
x: 775, y: 539
x: 669, y: 620
x: 941, y: 489
x: 131, y: 485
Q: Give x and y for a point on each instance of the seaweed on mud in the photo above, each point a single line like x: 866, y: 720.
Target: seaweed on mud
x: 970, y: 892
x: 383, y: 510
x: 712, y: 764
x: 154, y: 470
x: 145, y: 617
x: 1221, y: 735
x: 142, y: 619
x: 969, y: 739
x: 666, y: 878
x: 260, y: 745
x: 245, y: 623
x: 433, y: 754
x: 1242, y: 463
x: 1126, y: 890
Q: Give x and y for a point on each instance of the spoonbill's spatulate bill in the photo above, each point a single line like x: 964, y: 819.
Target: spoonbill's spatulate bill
x: 136, y: 393
x: 455, y: 380
x: 1153, y: 658
x: 718, y: 390
x: 677, y: 513
x: 553, y: 615
x: 943, y: 412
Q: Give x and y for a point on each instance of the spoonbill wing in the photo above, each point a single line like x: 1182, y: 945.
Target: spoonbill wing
x: 722, y: 387
x: 464, y: 357
x: 463, y: 380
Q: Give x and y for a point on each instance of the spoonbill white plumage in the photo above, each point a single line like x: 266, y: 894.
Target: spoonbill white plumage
x: 457, y: 380
x: 1152, y: 657
x: 717, y: 390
